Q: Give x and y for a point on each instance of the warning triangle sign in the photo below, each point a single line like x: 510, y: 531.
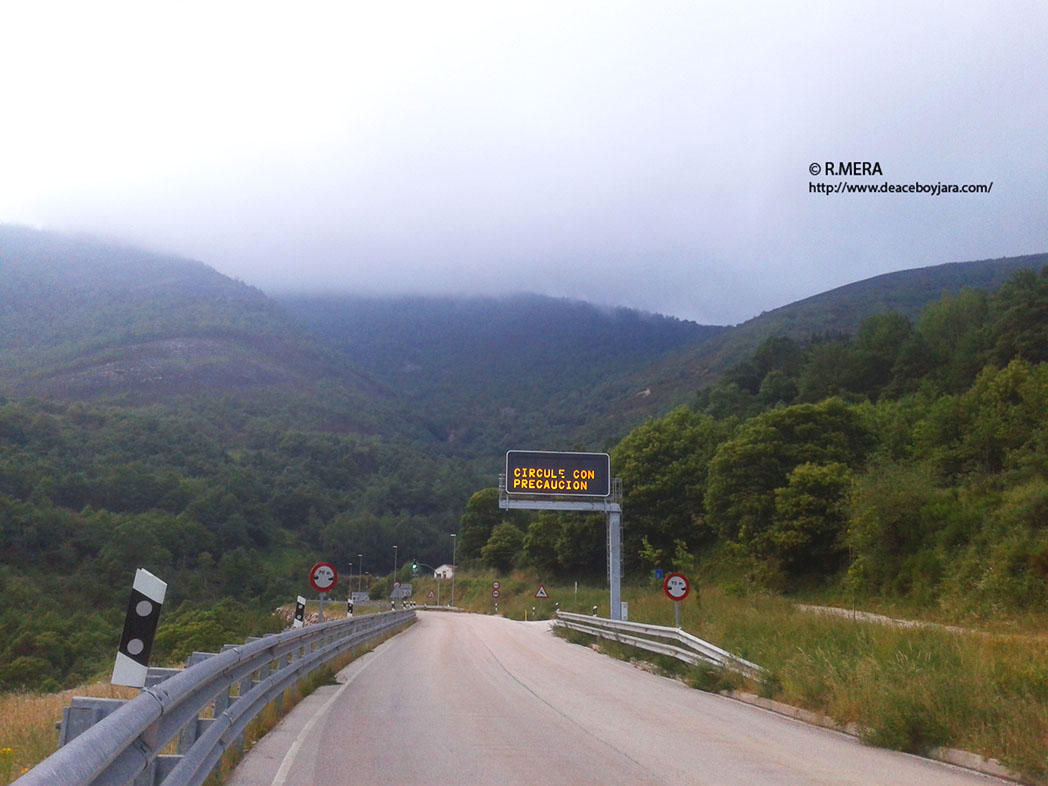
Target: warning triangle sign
x: 542, y: 592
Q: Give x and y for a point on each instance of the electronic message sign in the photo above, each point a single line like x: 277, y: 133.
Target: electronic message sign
x: 558, y: 474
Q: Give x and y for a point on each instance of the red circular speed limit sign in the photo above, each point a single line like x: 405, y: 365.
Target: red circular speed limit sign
x: 323, y: 576
x: 676, y: 586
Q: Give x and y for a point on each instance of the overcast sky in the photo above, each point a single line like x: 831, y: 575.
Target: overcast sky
x: 648, y: 154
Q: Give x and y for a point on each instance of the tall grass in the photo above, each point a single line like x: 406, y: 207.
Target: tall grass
x: 27, y: 724
x: 909, y: 689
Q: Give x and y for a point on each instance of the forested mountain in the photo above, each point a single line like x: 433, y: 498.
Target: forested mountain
x: 490, y: 373
x: 154, y: 413
x: 837, y: 312
x: 530, y: 370
x: 87, y: 319
x: 83, y: 319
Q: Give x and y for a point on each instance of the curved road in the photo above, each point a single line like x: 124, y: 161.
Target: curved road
x: 475, y: 700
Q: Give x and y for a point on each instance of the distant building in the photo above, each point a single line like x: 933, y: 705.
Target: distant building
x: 444, y: 572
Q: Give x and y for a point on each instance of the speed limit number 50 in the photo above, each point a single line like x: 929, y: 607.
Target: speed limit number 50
x: 676, y: 587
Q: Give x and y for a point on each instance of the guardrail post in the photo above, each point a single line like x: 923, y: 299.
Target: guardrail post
x: 242, y: 688
x: 82, y: 713
x: 284, y: 662
x: 188, y: 735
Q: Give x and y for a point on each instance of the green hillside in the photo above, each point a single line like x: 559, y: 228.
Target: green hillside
x: 675, y: 379
x: 485, y: 374
x: 87, y: 319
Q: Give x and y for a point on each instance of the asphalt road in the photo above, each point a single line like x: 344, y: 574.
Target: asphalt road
x: 476, y: 700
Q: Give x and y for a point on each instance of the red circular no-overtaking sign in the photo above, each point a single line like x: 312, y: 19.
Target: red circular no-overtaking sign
x: 676, y: 586
x: 323, y: 577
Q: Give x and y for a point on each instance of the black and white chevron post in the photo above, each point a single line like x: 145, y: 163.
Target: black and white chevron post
x: 143, y: 614
x: 300, y: 613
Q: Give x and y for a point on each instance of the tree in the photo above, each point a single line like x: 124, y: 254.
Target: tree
x: 1019, y: 327
x: 683, y: 560
x: 777, y: 388
x: 503, y: 547
x: 810, y: 519
x: 824, y: 370
x: 650, y: 556
x: 481, y: 517
x: 582, y: 545
x: 744, y: 375
x: 1006, y: 563
x: 954, y: 330
x: 540, y: 543
x: 914, y: 361
x: 874, y: 353
x: 778, y: 353
x: 726, y: 400
x: 891, y: 519
x: 747, y: 469
x: 997, y: 426
x: 663, y: 466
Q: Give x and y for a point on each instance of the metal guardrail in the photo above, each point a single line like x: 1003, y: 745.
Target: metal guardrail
x: 105, y: 741
x: 656, y: 638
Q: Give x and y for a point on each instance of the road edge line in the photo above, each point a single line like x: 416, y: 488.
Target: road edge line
x: 280, y: 779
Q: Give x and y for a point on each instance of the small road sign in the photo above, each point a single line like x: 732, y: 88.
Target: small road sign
x: 430, y: 596
x: 323, y: 577
x: 495, y: 593
x: 542, y: 592
x: 496, y: 585
x: 676, y: 586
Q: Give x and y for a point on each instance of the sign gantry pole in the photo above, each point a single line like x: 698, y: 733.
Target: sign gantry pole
x: 546, y: 480
x: 615, y: 562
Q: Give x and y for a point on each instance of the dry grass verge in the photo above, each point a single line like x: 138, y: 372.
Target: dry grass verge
x: 27, y: 724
